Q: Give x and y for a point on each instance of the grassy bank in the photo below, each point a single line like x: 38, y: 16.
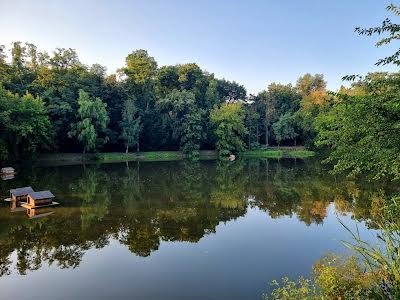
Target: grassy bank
x: 145, y: 156
x: 269, y: 153
x: 152, y: 156
x: 263, y: 154
x: 167, y: 156
x: 300, y: 153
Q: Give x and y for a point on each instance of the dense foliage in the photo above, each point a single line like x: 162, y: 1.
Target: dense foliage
x: 334, y: 277
x: 361, y: 126
x: 146, y: 107
x: 24, y: 124
x: 229, y: 128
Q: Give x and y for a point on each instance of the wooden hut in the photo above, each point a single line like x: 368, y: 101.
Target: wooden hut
x: 7, y: 170
x: 20, y: 194
x: 5, y: 176
x: 43, y: 198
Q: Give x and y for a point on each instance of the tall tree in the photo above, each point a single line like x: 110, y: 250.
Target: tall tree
x: 285, y: 128
x: 141, y: 70
x: 184, y: 119
x: 24, y: 125
x: 308, y: 83
x: 277, y: 100
x: 314, y: 99
x: 252, y: 118
x: 140, y: 67
x: 93, y: 120
x: 130, y: 124
x: 269, y: 113
x: 228, y: 121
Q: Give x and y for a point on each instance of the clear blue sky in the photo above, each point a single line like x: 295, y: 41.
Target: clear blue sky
x: 252, y: 42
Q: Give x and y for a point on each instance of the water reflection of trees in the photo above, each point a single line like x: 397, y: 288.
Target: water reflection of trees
x: 142, y: 205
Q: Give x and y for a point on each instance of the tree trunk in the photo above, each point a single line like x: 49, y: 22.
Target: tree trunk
x: 15, y: 149
x: 258, y: 137
x: 137, y: 146
x: 266, y: 126
x: 127, y: 149
x: 138, y: 173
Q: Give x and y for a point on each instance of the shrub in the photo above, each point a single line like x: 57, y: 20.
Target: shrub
x: 294, y: 290
x: 334, y: 277
x: 340, y: 277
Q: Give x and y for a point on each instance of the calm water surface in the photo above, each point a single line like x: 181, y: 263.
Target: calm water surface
x: 175, y: 230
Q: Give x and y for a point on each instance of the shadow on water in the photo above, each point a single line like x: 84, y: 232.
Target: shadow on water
x: 141, y: 204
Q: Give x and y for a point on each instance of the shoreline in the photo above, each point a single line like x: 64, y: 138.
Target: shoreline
x: 107, y: 157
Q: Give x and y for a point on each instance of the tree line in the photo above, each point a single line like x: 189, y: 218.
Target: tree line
x: 55, y: 103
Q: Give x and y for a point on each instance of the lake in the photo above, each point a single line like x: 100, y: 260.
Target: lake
x: 176, y: 230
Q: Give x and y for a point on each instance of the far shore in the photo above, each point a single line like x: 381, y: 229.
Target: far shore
x: 106, y: 157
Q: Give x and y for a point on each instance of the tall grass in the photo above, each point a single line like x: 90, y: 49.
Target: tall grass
x: 373, y: 274
x: 384, y: 257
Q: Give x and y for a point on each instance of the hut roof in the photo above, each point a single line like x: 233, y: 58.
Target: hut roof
x: 21, y: 191
x: 41, y: 195
x: 7, y: 170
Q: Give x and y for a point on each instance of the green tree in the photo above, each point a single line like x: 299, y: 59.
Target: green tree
x: 140, y: 67
x: 24, y: 124
x: 277, y: 100
x: 314, y: 99
x: 269, y: 113
x: 362, y: 130
x: 228, y: 121
x: 167, y: 79
x: 393, y: 33
x: 184, y: 119
x: 252, y: 118
x: 130, y: 124
x: 93, y: 120
x: 285, y: 128
x: 64, y: 59
x: 141, y: 71
x: 308, y: 83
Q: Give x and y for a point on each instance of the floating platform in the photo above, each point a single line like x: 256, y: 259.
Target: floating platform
x: 7, y: 176
x: 27, y: 206
x: 34, y: 216
x: 17, y: 209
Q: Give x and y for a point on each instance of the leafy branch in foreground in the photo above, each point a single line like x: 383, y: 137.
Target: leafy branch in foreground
x: 361, y: 128
x: 387, y: 27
